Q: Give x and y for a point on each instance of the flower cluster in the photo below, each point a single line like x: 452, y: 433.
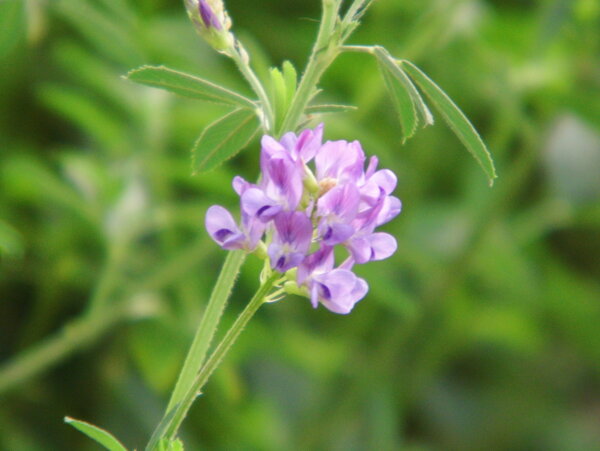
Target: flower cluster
x: 305, y: 214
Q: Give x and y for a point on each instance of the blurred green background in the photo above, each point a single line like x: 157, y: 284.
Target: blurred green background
x: 482, y: 332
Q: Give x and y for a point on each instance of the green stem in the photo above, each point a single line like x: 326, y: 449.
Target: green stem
x: 208, y: 325
x: 323, y: 53
x: 169, y: 426
x: 244, y: 66
x: 93, y: 325
x: 74, y: 336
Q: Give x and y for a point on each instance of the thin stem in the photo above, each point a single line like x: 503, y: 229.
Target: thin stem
x: 244, y: 66
x: 91, y: 326
x: 169, y: 426
x: 323, y: 53
x: 74, y: 336
x: 359, y: 48
x: 208, y: 325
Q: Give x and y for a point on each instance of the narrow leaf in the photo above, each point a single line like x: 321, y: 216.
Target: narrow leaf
x: 290, y: 77
x: 455, y: 119
x: 388, y: 62
x: 95, y: 433
x: 278, y: 93
x: 187, y: 85
x: 403, y: 103
x: 223, y: 139
x: 329, y: 108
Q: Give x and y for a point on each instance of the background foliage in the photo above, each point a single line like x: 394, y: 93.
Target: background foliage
x: 480, y: 333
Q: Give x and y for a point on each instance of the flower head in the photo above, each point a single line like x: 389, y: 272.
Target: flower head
x: 305, y: 214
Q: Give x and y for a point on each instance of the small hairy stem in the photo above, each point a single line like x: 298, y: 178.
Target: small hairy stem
x: 323, y: 54
x: 169, y: 426
x: 370, y: 49
x: 208, y: 325
x: 244, y: 66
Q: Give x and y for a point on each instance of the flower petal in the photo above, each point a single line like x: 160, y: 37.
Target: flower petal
x: 383, y: 245
x: 339, y: 290
x: 223, y: 229
x: 255, y: 203
x: 386, y: 180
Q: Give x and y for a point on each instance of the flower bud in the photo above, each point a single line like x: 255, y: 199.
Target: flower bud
x: 212, y: 23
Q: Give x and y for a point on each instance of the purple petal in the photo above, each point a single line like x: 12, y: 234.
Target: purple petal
x: 208, y: 16
x: 223, y: 229
x: 335, y: 233
x: 338, y: 290
x: 360, y: 248
x: 341, y: 202
x: 383, y: 245
x: 392, y: 206
x: 255, y: 203
x: 318, y: 262
x: 291, y: 240
x: 254, y: 229
x: 240, y: 185
x: 340, y: 160
x: 294, y: 229
x: 269, y: 147
x: 385, y: 179
x: 282, y: 180
x: 309, y: 143
x: 373, y: 162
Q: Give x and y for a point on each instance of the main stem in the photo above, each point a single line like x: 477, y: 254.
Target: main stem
x: 323, y: 53
x: 169, y: 426
x: 208, y: 325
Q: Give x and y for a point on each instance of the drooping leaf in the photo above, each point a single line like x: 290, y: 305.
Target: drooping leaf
x: 224, y: 138
x: 388, y: 62
x: 455, y: 118
x: 95, y: 433
x: 403, y: 103
x: 187, y: 85
x: 329, y: 109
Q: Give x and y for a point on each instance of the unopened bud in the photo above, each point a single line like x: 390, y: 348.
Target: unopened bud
x: 212, y: 23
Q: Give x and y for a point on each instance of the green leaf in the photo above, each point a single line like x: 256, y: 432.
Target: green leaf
x: 388, y: 62
x: 290, y: 76
x: 278, y: 93
x: 187, y: 85
x: 95, y: 433
x: 455, y: 118
x: 329, y: 108
x: 170, y: 445
x: 403, y: 103
x: 223, y: 139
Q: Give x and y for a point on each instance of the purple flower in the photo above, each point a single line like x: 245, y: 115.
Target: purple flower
x: 339, y: 204
x: 337, y: 289
x: 337, y: 208
x: 223, y: 229
x: 291, y: 240
x: 305, y: 145
x: 340, y: 161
